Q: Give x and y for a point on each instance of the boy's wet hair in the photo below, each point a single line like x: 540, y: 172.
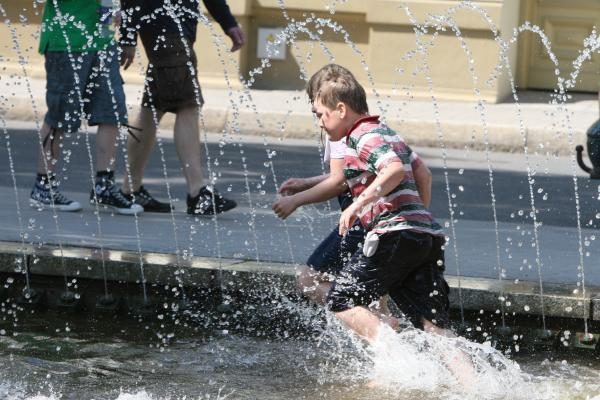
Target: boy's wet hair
x: 333, y: 84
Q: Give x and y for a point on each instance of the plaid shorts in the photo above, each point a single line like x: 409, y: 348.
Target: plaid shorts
x: 85, y: 85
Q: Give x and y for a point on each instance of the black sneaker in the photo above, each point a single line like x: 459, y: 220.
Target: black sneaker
x: 150, y: 204
x: 106, y: 195
x: 42, y: 197
x: 202, y: 204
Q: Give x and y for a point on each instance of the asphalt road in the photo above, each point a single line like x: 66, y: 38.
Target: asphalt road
x: 248, y: 170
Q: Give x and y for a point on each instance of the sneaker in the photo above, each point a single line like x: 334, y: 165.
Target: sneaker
x: 150, y: 204
x: 202, y: 204
x: 42, y: 197
x: 106, y: 194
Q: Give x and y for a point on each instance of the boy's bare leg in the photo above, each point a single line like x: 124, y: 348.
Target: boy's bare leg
x: 51, y: 140
x: 366, y: 324
x: 362, y: 321
x: 456, y: 360
x: 189, y: 148
x: 382, y: 311
x: 138, y: 153
x: 313, y: 285
x: 316, y: 286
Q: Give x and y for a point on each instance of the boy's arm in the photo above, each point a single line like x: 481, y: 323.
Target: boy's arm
x: 294, y: 185
x: 422, y: 176
x: 334, y: 184
x: 387, y: 179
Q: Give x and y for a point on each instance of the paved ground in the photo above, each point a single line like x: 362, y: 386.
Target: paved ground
x: 481, y: 246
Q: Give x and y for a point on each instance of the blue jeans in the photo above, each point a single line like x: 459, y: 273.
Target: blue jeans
x: 92, y: 79
x: 335, y: 251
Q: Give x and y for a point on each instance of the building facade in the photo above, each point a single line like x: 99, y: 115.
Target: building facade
x: 459, y: 50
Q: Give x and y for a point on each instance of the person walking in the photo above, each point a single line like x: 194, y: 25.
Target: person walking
x: 82, y: 82
x: 168, y: 31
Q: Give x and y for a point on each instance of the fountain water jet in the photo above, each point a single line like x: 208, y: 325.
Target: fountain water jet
x: 270, y: 163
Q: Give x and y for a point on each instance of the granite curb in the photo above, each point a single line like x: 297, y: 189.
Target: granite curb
x: 475, y: 295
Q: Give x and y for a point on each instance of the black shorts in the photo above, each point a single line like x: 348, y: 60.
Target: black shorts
x: 409, y: 266
x: 171, y: 77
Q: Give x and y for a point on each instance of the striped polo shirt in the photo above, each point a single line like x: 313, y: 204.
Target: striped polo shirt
x: 371, y: 146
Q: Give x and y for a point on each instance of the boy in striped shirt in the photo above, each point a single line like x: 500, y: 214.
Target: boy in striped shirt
x: 403, y: 253
x: 327, y: 260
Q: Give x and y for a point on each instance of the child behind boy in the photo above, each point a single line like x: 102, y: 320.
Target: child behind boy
x: 314, y: 279
x: 404, y: 254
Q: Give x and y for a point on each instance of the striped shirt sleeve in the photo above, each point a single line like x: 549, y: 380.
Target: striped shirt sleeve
x: 375, y: 152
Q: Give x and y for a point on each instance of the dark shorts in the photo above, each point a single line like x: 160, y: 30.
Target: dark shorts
x: 335, y: 251
x: 409, y: 266
x: 171, y: 77
x: 92, y: 79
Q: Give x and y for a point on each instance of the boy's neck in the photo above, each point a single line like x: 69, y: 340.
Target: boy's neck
x: 353, y: 118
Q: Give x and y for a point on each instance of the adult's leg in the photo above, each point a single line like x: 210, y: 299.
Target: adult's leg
x: 138, y: 152
x: 63, y: 115
x: 63, y: 94
x: 106, y: 147
x: 189, y: 148
x: 313, y: 284
x: 106, y: 106
x: 108, y: 111
x: 50, y: 152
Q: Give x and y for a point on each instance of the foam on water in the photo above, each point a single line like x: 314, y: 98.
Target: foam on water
x: 11, y: 391
x: 141, y: 395
x: 449, y: 367
x: 419, y: 362
x: 221, y: 394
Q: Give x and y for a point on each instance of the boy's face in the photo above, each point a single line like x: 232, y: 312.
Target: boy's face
x: 330, y: 120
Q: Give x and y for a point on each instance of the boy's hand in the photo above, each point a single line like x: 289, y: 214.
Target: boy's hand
x: 292, y: 186
x: 348, y: 218
x: 285, y: 206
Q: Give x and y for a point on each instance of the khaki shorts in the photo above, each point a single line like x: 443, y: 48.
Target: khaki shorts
x: 171, y: 78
